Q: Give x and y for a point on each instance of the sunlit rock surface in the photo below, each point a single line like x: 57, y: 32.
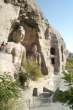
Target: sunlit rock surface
x: 6, y: 65
x: 7, y: 14
x: 38, y: 30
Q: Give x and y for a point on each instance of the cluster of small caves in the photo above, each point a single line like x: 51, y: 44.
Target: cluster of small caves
x: 57, y: 49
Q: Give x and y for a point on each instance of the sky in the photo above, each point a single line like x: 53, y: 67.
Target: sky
x: 60, y: 15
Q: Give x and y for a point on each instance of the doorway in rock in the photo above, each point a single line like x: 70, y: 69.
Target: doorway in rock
x: 53, y: 61
x: 62, y: 53
x: 52, y: 51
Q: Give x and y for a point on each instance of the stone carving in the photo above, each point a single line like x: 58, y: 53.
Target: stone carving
x: 3, y: 47
x: 15, y: 48
x: 13, y: 54
x: 6, y: 65
x: 15, y: 2
x: 35, y: 55
x: 7, y: 1
x: 38, y: 30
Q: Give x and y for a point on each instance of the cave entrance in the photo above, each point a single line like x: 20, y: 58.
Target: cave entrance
x: 52, y: 51
x: 53, y: 61
x: 62, y: 53
x: 53, y: 54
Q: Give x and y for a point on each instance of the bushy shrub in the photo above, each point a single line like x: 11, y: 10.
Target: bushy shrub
x: 8, y: 90
x: 67, y: 95
x: 33, y: 69
x: 68, y: 78
x: 23, y: 77
x: 69, y: 63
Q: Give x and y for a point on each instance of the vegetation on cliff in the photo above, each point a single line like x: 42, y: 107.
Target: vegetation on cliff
x: 69, y: 63
x: 32, y: 69
x: 67, y: 95
x: 9, y: 91
x: 9, y: 88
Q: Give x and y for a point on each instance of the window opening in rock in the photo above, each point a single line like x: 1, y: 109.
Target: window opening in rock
x: 62, y: 53
x: 52, y: 51
x: 6, y: 1
x: 53, y: 61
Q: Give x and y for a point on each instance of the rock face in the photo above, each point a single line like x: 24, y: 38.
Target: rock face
x: 51, y: 45
x: 6, y: 65
x: 7, y: 14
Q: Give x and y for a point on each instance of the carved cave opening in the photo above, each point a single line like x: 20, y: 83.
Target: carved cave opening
x: 52, y: 51
x: 53, y: 61
x: 62, y: 53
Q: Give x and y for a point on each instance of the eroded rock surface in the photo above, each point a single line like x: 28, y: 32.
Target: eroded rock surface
x: 38, y: 30
x: 7, y: 14
x: 6, y: 65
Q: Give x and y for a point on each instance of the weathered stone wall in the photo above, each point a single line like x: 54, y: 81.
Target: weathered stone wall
x: 7, y: 14
x: 39, y: 31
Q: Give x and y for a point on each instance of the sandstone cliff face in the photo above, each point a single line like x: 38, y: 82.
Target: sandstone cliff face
x: 7, y: 14
x: 6, y: 65
x: 51, y: 46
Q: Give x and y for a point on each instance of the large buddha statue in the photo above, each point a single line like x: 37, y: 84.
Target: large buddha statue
x: 15, y: 47
x: 15, y: 53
